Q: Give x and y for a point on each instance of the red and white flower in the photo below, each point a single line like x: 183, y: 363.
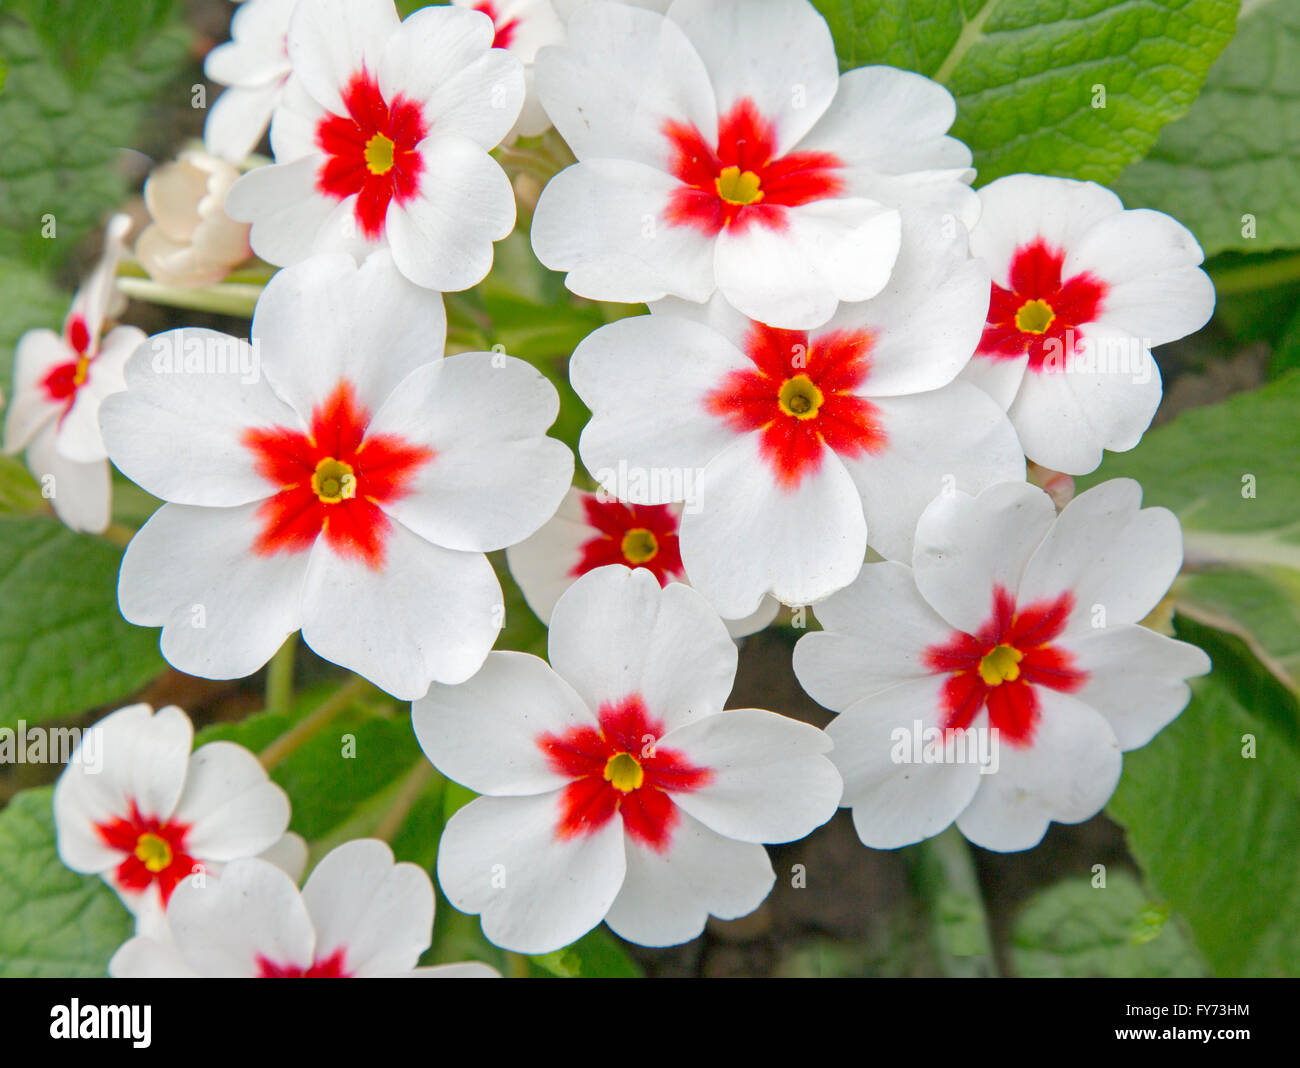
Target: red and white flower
x: 1015, y: 635
x: 348, y: 486
x: 616, y: 787
x: 60, y: 381
x: 147, y: 814
x: 593, y: 530
x: 382, y: 140
x: 805, y: 446
x: 191, y: 242
x: 1082, y: 291
x: 360, y: 915
x: 721, y: 151
x: 254, y: 65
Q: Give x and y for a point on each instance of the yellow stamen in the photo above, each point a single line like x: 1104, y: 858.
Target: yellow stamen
x: 379, y: 154
x: 1001, y: 664
x: 154, y: 852
x: 334, y: 481
x: 738, y: 187
x: 639, y: 545
x: 82, y: 370
x: 1034, y: 317
x: 623, y: 772
x: 800, y: 397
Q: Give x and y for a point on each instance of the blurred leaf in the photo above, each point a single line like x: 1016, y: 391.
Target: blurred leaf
x: 1075, y: 930
x: 64, y: 647
x: 597, y: 955
x: 31, y: 301
x: 79, y: 34
x: 1210, y: 809
x: 53, y: 922
x: 1235, y: 151
x: 1286, y: 353
x: 1025, y: 72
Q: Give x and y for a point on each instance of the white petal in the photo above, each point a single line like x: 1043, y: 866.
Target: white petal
x: 79, y: 434
x: 287, y: 213
x: 485, y: 732
x: 615, y: 633
x: 542, y: 564
x: 79, y: 492
x: 997, y: 376
x: 37, y: 353
x: 499, y: 856
x: 238, y: 118
x: 149, y: 958
x: 232, y: 808
x: 289, y: 854
x: 331, y: 40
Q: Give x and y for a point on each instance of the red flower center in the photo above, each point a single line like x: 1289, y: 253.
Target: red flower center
x: 154, y: 851
x: 330, y: 967
x: 371, y: 152
x: 800, y: 399
x: 1002, y: 664
x: 62, y: 381
x: 332, y: 480
x: 505, y: 31
x: 621, y: 769
x: 634, y: 535
x: 1040, y: 314
x: 742, y: 181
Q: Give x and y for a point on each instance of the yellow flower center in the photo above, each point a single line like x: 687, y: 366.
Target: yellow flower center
x: 738, y: 187
x: 82, y: 370
x: 800, y: 397
x: 153, y: 852
x: 623, y: 772
x: 334, y: 481
x: 1034, y: 317
x: 379, y: 154
x: 1001, y: 664
x: 639, y: 545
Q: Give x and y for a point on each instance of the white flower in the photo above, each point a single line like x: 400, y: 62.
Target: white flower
x: 720, y: 150
x: 192, y: 241
x: 382, y: 139
x: 802, y: 447
x: 359, y: 916
x: 1082, y: 291
x: 593, y: 530
x: 347, y: 483
x: 137, y: 807
x: 617, y: 788
x: 254, y: 64
x: 59, y: 382
x: 1014, y: 643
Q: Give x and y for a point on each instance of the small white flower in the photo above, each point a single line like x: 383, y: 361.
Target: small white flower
x: 997, y: 680
x: 254, y: 64
x: 1082, y: 291
x: 147, y: 814
x: 381, y: 142
x: 192, y: 241
x: 60, y: 381
x: 617, y: 787
x: 359, y: 916
x: 337, y: 476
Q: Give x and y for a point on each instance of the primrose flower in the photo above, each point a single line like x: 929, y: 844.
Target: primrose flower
x: 254, y: 64
x: 616, y: 787
x: 997, y: 680
x: 593, y: 530
x: 381, y: 142
x: 719, y: 150
x: 337, y: 475
x: 60, y: 381
x: 1082, y: 291
x: 360, y: 915
x: 137, y: 807
x: 804, y: 447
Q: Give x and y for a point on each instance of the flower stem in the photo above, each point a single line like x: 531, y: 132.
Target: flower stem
x: 516, y: 965
x: 943, y: 872
x: 1252, y: 276
x: 279, y: 677
x: 227, y: 298
x: 408, y: 792
x: 312, y: 723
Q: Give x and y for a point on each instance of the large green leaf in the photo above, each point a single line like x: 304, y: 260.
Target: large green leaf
x: 53, y: 921
x: 1234, y: 153
x: 64, y: 647
x: 1026, y: 73
x: 1229, y: 472
x: 80, y: 34
x: 1210, y: 807
x: 1075, y: 929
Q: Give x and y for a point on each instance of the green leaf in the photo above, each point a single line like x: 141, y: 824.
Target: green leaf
x: 1025, y: 72
x: 1076, y: 930
x: 31, y: 301
x: 53, y: 921
x: 63, y: 645
x: 1229, y: 472
x: 597, y: 955
x: 79, y: 34
x: 1210, y: 809
x: 1234, y: 152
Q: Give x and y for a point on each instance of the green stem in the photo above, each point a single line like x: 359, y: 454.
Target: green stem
x: 1249, y: 277
x: 943, y: 873
x: 279, y: 677
x: 313, y: 722
x: 228, y: 298
x: 516, y: 965
x: 408, y: 792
